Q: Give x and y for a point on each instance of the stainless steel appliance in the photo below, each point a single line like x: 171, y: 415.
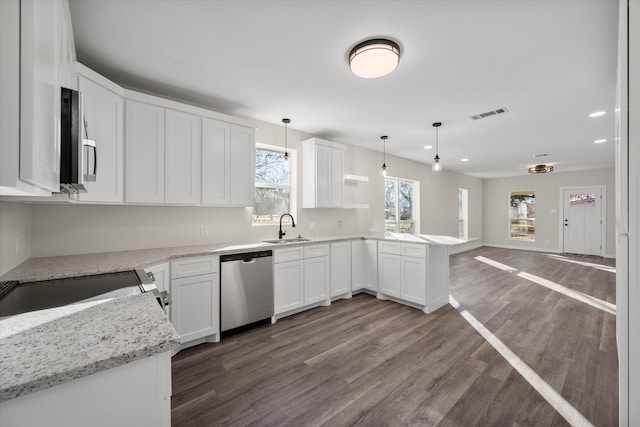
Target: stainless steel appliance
x: 78, y: 156
x: 16, y: 298
x: 246, y: 289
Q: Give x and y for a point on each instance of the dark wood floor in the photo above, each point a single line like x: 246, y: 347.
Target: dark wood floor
x: 376, y: 363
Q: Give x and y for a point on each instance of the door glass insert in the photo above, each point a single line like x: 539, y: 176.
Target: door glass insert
x: 582, y: 200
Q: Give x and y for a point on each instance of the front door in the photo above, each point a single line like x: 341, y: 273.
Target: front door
x: 582, y: 220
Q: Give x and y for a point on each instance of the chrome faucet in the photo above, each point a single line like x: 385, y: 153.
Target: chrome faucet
x: 293, y: 224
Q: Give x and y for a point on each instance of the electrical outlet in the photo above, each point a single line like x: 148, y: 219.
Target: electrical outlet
x: 204, y: 230
x: 340, y: 223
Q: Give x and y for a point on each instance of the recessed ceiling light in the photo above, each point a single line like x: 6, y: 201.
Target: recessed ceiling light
x: 428, y: 147
x: 597, y: 114
x: 599, y: 141
x: 464, y: 160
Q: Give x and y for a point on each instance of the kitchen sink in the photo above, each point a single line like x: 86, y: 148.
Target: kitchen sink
x: 291, y: 240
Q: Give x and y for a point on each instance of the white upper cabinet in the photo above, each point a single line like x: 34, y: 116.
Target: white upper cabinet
x: 228, y: 164
x: 37, y: 48
x: 144, y: 151
x: 40, y: 77
x: 242, y: 175
x: 322, y: 174
x: 182, y: 158
x: 103, y: 109
x: 215, y: 162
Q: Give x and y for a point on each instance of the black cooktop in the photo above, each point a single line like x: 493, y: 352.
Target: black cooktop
x: 16, y: 298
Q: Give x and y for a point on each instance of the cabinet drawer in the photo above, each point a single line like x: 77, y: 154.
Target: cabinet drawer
x: 313, y: 251
x: 196, y: 266
x: 389, y: 248
x: 415, y: 251
x: 289, y: 254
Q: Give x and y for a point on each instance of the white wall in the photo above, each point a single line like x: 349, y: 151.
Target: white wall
x: 15, y: 235
x: 548, y: 208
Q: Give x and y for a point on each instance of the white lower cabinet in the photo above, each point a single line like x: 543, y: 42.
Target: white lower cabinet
x: 195, y: 299
x: 301, y: 277
x: 389, y: 274
x: 370, y: 265
x: 412, y: 279
x: 341, y: 268
x: 316, y: 280
x: 288, y: 281
x: 417, y: 274
x: 364, y: 265
x: 357, y: 273
x: 138, y: 394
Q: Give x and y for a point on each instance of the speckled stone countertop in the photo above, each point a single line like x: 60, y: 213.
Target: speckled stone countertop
x: 45, y: 348
x: 47, y: 268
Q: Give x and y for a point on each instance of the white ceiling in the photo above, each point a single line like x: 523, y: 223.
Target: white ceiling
x: 550, y: 63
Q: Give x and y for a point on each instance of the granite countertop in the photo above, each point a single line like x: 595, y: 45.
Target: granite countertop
x: 45, y: 348
x: 56, y: 267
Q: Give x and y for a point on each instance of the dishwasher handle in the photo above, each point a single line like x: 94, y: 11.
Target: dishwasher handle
x: 246, y: 257
x: 249, y: 261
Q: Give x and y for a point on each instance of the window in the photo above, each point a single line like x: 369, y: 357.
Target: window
x: 400, y: 205
x: 273, y: 185
x: 522, y: 215
x: 463, y: 214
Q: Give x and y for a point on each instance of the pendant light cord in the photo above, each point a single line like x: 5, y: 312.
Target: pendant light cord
x: 286, y: 153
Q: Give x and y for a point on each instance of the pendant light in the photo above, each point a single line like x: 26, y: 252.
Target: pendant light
x: 384, y: 154
x: 286, y: 153
x: 436, y: 160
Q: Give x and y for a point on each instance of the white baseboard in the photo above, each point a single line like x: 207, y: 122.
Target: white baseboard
x: 535, y: 249
x: 466, y: 246
x: 520, y: 248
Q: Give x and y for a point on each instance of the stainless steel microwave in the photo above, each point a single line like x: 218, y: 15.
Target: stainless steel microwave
x: 78, y: 155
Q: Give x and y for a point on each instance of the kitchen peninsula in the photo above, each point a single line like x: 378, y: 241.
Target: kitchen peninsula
x: 58, y: 349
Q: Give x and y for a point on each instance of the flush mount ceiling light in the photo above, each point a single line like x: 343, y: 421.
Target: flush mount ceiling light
x: 436, y: 160
x: 541, y: 169
x: 374, y: 58
x: 286, y: 153
x: 384, y: 154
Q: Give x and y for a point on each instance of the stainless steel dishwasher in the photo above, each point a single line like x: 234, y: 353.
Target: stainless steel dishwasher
x: 246, y: 288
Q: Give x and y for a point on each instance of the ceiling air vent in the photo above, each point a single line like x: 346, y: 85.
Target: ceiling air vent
x: 489, y: 113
